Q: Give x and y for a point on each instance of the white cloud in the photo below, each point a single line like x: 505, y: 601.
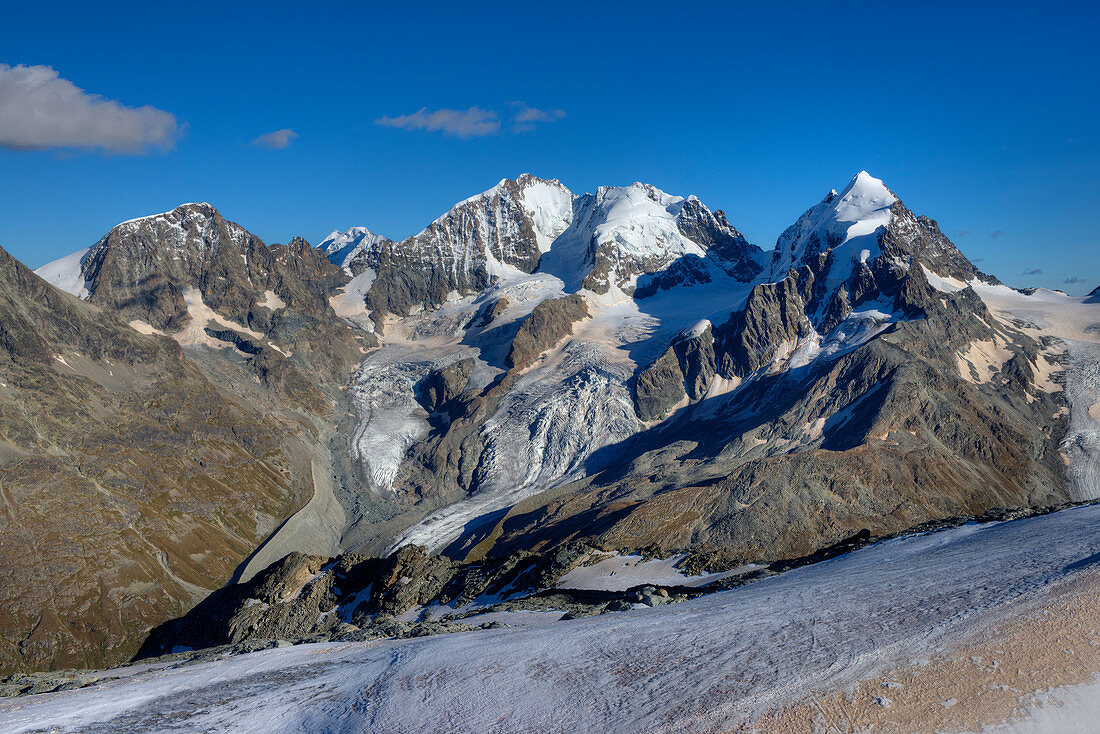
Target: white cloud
x: 276, y: 140
x: 40, y: 110
x: 526, y: 117
x: 468, y: 123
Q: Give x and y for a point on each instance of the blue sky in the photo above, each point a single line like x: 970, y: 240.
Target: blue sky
x: 984, y: 118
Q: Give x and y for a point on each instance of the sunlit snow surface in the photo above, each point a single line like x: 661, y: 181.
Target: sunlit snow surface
x: 847, y: 221
x: 703, y: 665
x: 67, y: 273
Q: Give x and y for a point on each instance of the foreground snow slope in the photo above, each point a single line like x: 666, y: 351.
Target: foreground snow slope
x: 704, y: 665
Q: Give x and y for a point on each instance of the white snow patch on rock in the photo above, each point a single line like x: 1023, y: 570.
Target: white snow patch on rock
x: 619, y: 573
x: 67, y: 273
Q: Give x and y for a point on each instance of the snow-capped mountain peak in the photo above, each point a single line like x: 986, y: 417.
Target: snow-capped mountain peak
x: 545, y: 203
x: 621, y: 233
x: 190, y: 222
x: 343, y: 247
x: 842, y: 221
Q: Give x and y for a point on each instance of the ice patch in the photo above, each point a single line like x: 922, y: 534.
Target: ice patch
x: 272, y: 302
x: 619, y: 573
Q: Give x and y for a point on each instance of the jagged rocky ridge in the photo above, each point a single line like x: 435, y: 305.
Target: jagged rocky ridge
x: 621, y: 237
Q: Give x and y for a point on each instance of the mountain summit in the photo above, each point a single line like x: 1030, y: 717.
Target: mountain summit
x: 619, y: 238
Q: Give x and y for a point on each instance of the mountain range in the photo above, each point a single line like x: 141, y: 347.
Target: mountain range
x: 308, y: 437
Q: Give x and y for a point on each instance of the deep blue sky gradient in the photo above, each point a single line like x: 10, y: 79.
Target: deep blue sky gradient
x: 983, y: 117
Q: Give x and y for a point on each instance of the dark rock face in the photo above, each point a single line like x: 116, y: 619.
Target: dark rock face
x: 443, y: 385
x: 911, y: 236
x: 548, y: 323
x: 725, y: 244
x: 659, y: 387
x: 774, y: 315
x: 140, y: 268
x: 144, y: 268
x: 691, y: 270
x: 684, y: 370
x: 401, y: 287
x: 130, y: 480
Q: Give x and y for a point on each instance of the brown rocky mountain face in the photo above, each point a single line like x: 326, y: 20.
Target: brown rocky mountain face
x: 139, y: 473
x: 131, y: 485
x: 159, y: 269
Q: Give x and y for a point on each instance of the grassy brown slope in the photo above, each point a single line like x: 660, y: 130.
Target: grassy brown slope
x: 129, y: 485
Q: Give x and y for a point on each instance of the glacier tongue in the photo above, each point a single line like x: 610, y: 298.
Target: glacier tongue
x: 543, y: 434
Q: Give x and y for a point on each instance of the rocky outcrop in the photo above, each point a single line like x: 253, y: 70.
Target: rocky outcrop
x: 685, y: 370
x: 774, y: 318
x: 444, y: 384
x: 547, y: 324
x: 304, y: 596
x: 728, y: 247
x: 659, y: 387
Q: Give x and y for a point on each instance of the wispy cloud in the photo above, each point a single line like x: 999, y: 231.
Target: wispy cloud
x: 40, y: 110
x: 1033, y: 271
x: 526, y: 117
x: 996, y: 233
x: 977, y: 259
x: 276, y: 140
x: 1073, y: 281
x: 963, y: 234
x: 472, y: 122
